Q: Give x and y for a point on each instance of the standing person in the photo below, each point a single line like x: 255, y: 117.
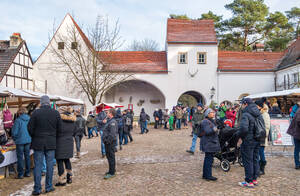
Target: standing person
x: 166, y: 118
x: 184, y: 118
x: 222, y: 112
x: 160, y: 116
x: 110, y: 139
x: 91, y: 124
x: 275, y: 110
x: 264, y: 112
x: 80, y: 131
x: 294, y: 130
x: 130, y: 114
x: 120, y: 121
x: 156, y: 118
x: 171, y: 121
x: 231, y: 115
x: 127, y: 127
x: 43, y: 127
x: 143, y: 121
x: 22, y: 140
x: 250, y: 146
x: 294, y: 109
x: 209, y: 143
x: 101, y: 123
x: 65, y: 145
x: 196, y: 121
x: 179, y: 116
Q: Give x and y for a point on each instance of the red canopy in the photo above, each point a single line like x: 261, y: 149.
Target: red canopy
x: 106, y: 106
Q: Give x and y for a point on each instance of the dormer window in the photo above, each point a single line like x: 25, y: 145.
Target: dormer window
x: 61, y: 45
x: 201, y: 57
x: 182, y: 57
x: 74, y: 45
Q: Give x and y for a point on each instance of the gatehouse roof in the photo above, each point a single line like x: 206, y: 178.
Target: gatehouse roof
x: 291, y: 55
x: 191, y: 31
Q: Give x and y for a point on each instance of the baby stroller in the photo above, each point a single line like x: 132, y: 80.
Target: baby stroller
x: 230, y: 152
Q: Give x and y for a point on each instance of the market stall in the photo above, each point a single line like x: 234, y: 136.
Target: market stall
x: 11, y: 100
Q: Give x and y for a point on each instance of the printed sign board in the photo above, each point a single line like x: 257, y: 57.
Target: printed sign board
x: 279, y: 127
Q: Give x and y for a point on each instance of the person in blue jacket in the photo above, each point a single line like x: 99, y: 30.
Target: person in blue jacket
x: 22, y: 140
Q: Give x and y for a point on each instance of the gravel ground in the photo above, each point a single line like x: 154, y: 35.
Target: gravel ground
x: 157, y: 164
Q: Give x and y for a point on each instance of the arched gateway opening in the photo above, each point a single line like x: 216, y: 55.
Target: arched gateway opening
x: 191, y: 98
x: 136, y: 94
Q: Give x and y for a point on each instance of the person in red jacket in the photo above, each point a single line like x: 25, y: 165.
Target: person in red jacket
x: 231, y: 115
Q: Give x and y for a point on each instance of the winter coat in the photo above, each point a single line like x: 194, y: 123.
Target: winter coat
x: 294, y: 128
x: 294, y: 110
x: 101, y: 116
x: 143, y: 117
x: 246, y: 126
x: 275, y: 111
x: 110, y: 132
x: 196, y: 120
x: 222, y: 111
x: 267, y: 120
x: 156, y: 115
x: 19, y: 130
x: 80, y: 126
x: 179, y: 113
x: 231, y: 115
x: 160, y: 114
x: 127, y: 127
x: 43, y: 127
x: 91, y: 121
x: 120, y: 120
x: 64, y: 140
x: 209, y: 141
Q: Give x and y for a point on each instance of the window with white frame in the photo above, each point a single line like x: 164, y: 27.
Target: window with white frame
x: 182, y: 57
x: 201, y: 57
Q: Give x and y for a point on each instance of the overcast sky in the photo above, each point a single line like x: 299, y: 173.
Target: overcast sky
x: 139, y: 19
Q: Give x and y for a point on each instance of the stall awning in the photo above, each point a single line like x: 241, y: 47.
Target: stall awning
x: 6, y: 91
x: 102, y: 106
x: 290, y: 92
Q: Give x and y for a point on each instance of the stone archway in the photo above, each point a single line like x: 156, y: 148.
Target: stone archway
x: 191, y: 98
x: 137, y: 94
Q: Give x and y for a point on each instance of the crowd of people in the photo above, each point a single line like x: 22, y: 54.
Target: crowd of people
x: 51, y: 134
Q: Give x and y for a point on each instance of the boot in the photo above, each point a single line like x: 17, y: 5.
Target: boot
x: 69, y: 176
x: 78, y: 155
x: 61, y: 180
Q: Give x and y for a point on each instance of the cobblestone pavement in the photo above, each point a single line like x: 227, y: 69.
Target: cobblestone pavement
x: 157, y: 164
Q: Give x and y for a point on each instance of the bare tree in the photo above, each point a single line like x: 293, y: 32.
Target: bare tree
x: 144, y: 45
x: 89, y: 62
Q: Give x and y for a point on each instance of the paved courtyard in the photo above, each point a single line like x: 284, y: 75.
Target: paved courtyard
x: 157, y: 164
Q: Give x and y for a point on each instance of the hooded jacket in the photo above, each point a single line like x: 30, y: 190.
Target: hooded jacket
x: 246, y: 126
x: 19, y: 131
x: 294, y: 128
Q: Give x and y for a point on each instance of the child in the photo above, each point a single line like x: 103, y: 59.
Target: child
x: 171, y: 120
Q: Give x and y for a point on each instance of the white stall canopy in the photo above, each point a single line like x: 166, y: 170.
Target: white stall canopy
x: 290, y: 92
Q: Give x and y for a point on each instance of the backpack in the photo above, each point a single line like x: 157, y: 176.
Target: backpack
x: 7, y: 119
x: 128, y: 121
x: 120, y: 122
x: 259, y: 129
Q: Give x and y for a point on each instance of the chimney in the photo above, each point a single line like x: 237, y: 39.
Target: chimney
x: 15, y: 40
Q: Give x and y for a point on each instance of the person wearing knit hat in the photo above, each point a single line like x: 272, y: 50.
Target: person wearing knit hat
x: 209, y: 143
x: 45, y: 100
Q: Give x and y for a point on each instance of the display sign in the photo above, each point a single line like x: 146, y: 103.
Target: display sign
x: 279, y: 127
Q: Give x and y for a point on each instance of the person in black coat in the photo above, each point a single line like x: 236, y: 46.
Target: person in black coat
x: 156, y: 118
x: 80, y: 131
x: 65, y: 145
x: 209, y: 143
x: 43, y: 127
x: 250, y: 146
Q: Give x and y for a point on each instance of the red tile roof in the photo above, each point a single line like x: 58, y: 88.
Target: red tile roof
x: 136, y: 61
x: 291, y: 55
x: 191, y: 31
x: 248, y: 61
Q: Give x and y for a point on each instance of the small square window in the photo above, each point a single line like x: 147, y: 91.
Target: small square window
x: 201, y: 58
x: 74, y: 45
x: 182, y: 58
x: 61, y: 45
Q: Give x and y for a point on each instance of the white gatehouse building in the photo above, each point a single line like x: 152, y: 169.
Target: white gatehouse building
x: 191, y: 64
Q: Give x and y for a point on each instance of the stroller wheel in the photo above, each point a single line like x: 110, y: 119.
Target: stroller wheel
x: 240, y: 161
x: 225, y: 165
